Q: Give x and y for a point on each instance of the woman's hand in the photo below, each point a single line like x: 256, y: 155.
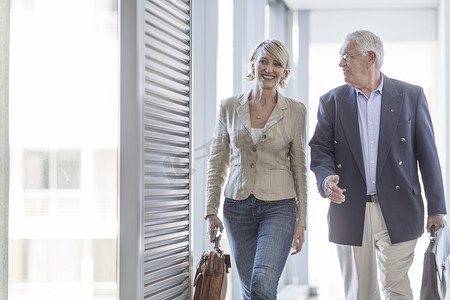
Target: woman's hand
x: 299, y: 239
x: 213, y: 222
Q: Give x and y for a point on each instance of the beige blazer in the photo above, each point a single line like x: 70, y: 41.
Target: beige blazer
x: 272, y: 169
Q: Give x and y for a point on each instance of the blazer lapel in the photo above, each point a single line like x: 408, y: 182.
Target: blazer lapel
x: 278, y: 112
x: 243, y: 111
x: 391, y: 105
x: 348, y: 112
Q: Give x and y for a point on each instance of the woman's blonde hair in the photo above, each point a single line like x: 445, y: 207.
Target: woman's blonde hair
x: 278, y: 51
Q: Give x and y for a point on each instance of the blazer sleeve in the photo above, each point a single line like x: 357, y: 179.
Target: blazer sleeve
x: 297, y: 154
x: 218, y: 163
x: 322, y: 144
x: 427, y: 156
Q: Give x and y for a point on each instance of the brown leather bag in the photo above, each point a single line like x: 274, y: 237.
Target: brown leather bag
x: 210, y: 280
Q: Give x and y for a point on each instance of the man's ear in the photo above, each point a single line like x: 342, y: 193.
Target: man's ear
x: 372, y: 56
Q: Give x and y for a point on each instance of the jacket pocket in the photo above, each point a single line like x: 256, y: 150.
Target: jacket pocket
x: 416, y: 189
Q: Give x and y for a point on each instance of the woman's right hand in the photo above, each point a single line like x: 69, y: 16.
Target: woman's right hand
x: 213, y: 222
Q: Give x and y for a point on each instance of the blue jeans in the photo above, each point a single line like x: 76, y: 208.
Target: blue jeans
x: 260, y: 235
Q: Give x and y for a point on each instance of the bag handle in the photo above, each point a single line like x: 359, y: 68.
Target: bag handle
x: 433, y: 233
x: 216, y: 239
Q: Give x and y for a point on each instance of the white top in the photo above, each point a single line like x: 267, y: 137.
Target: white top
x: 256, y: 134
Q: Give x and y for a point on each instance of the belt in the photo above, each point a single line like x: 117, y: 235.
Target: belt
x: 372, y: 198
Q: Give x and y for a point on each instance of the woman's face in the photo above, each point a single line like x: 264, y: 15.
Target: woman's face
x: 268, y: 72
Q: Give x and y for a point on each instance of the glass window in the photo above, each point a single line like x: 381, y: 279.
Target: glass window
x: 225, y: 51
x: 63, y: 145
x: 36, y: 170
x: 68, y: 169
x: 224, y: 77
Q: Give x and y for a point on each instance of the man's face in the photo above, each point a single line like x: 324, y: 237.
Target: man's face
x: 356, y: 67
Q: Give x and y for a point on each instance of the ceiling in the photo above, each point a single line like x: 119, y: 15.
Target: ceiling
x: 359, y: 4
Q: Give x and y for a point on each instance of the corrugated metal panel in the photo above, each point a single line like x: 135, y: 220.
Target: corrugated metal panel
x: 166, y: 150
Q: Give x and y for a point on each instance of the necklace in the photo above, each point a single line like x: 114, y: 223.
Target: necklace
x: 265, y: 108
x: 263, y: 112
x: 258, y: 114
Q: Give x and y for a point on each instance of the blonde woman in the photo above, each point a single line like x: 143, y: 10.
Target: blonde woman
x: 260, y: 139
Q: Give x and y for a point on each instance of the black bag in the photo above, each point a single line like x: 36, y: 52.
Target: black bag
x: 436, y: 266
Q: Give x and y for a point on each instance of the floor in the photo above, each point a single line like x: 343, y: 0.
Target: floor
x: 303, y: 293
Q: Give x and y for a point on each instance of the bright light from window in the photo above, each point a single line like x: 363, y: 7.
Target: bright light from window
x: 63, y: 145
x: 295, y: 38
x: 267, y: 21
x: 225, y: 50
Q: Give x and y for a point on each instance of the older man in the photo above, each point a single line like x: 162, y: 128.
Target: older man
x: 370, y: 138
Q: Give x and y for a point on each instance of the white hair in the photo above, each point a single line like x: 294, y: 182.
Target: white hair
x: 367, y: 41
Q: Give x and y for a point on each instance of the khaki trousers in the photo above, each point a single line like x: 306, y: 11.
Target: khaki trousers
x: 359, y: 264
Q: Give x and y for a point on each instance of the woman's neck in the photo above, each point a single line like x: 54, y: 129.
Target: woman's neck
x: 263, y: 97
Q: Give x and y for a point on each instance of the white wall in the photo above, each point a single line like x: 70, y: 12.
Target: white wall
x: 444, y: 84
x: 4, y: 147
x: 390, y: 25
x: 203, y: 108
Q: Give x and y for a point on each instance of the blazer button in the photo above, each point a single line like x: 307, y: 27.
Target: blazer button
x: 397, y: 187
x: 400, y: 163
x: 252, y: 165
x: 335, y: 142
x: 339, y: 166
x: 403, y: 140
x: 254, y: 149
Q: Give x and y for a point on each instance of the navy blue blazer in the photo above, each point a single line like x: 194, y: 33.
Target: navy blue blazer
x: 406, y: 142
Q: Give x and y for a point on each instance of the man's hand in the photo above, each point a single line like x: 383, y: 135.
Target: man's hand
x: 436, y: 220
x: 332, y: 191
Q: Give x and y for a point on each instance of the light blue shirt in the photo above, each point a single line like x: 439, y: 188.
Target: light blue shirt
x: 369, y: 110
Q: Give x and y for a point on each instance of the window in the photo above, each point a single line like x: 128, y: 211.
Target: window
x: 225, y: 51
x: 63, y: 149
x: 224, y: 90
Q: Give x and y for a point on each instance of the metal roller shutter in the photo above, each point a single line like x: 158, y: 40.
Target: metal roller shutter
x: 166, y: 150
